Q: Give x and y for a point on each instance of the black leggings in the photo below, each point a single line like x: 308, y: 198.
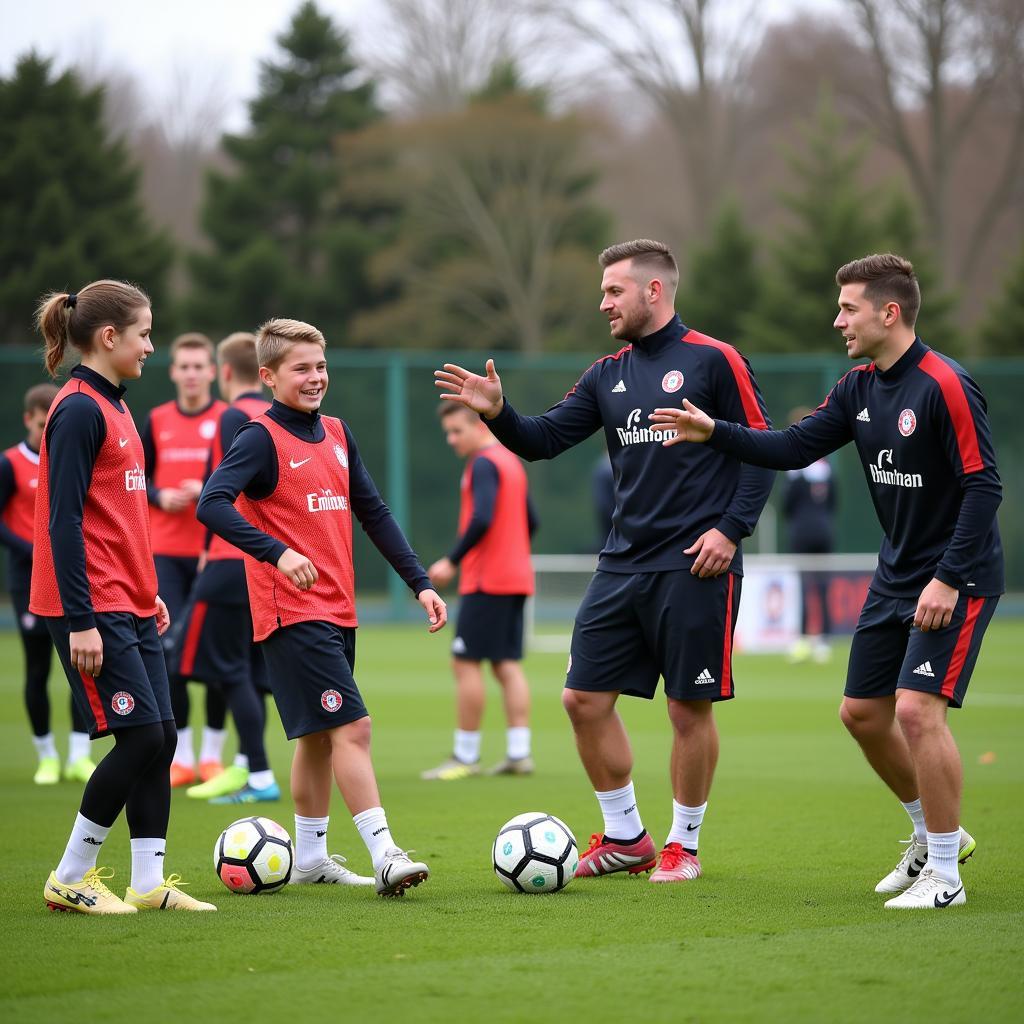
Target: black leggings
x: 216, y: 708
x: 38, y: 656
x: 134, y: 776
x: 250, y: 718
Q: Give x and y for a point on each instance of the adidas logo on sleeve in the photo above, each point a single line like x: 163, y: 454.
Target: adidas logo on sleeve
x: 925, y: 670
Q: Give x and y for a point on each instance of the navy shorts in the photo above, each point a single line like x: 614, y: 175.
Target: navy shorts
x: 310, y: 665
x: 131, y: 688
x: 889, y: 653
x: 632, y: 629
x: 28, y: 624
x: 489, y: 627
x: 213, y: 635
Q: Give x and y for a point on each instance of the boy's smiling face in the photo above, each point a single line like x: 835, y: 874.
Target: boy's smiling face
x: 300, y: 379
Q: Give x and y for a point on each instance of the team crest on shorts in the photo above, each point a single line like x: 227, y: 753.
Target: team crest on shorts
x: 672, y: 381
x: 28, y: 621
x: 907, y: 422
x: 330, y: 700
x: 122, y: 703
x: 342, y: 457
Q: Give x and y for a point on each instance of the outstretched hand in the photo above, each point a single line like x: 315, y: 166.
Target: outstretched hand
x: 689, y: 423
x: 481, y: 394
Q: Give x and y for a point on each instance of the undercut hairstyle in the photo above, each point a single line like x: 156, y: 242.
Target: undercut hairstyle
x: 40, y: 397
x: 191, y: 340
x: 651, y: 260
x: 275, y: 337
x: 886, y: 278
x: 74, y: 318
x: 238, y: 351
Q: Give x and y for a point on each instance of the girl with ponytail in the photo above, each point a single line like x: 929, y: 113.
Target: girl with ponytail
x: 94, y: 583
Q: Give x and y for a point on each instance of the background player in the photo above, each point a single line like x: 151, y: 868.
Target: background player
x: 921, y: 429
x: 297, y: 477
x: 177, y: 436
x: 19, y: 477
x: 94, y: 581
x: 215, y: 644
x: 663, y: 601
x: 496, y: 522
x: 809, y: 508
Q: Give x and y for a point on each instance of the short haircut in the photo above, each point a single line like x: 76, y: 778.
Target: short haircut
x: 886, y: 278
x: 192, y: 339
x: 275, y: 337
x: 238, y: 351
x: 446, y: 409
x: 653, y: 259
x: 40, y: 397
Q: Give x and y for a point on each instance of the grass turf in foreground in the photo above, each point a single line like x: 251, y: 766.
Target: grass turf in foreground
x: 784, y: 925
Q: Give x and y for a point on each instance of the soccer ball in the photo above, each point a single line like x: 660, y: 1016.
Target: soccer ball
x: 253, y: 855
x: 535, y: 852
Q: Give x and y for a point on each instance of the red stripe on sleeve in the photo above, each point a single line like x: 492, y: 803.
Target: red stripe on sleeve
x: 862, y: 366
x: 963, y: 645
x: 191, y: 643
x: 959, y: 411
x: 745, y: 386
x: 614, y: 355
x: 727, y: 646
x: 94, y: 701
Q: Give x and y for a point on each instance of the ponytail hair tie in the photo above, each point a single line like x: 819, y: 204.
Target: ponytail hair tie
x: 71, y: 301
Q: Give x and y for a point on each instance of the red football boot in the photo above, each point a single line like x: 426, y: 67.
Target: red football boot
x: 676, y: 865
x: 606, y: 856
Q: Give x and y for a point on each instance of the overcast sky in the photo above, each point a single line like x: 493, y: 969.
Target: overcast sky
x: 222, y: 40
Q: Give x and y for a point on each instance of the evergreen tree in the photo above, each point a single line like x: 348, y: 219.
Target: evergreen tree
x: 834, y: 220
x: 284, y: 239
x: 1002, y: 331
x: 723, y: 278
x: 71, y: 213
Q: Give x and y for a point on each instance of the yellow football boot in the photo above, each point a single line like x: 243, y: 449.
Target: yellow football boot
x: 79, y: 770
x: 89, y: 896
x: 166, y: 896
x: 48, y: 772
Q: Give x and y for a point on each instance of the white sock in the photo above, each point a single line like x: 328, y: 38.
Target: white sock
x: 373, y: 827
x: 78, y: 746
x: 517, y: 739
x: 241, y: 761
x: 621, y: 815
x: 467, y: 746
x: 45, y: 747
x: 917, y: 817
x: 147, y: 864
x: 82, y: 850
x: 943, y: 851
x: 686, y: 822
x: 260, y: 780
x: 310, y: 842
x: 212, y: 747
x: 183, y: 753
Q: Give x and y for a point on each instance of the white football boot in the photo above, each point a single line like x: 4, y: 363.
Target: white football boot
x: 328, y: 872
x: 398, y: 873
x: 929, y: 892
x: 914, y: 859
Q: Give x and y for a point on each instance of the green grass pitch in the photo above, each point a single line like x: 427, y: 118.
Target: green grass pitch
x: 783, y: 927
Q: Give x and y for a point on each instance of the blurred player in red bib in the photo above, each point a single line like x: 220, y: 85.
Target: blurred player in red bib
x: 492, y: 554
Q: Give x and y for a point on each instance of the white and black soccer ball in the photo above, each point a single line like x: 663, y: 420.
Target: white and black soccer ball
x: 253, y: 855
x: 535, y: 852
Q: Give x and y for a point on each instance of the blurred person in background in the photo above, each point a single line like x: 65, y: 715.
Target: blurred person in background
x: 492, y: 557
x: 177, y: 437
x: 19, y: 479
x: 809, y: 507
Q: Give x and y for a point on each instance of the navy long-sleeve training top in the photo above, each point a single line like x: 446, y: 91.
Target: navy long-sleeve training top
x: 484, y: 481
x: 250, y: 465
x: 921, y: 430
x: 75, y: 432
x: 19, y: 550
x: 665, y: 498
